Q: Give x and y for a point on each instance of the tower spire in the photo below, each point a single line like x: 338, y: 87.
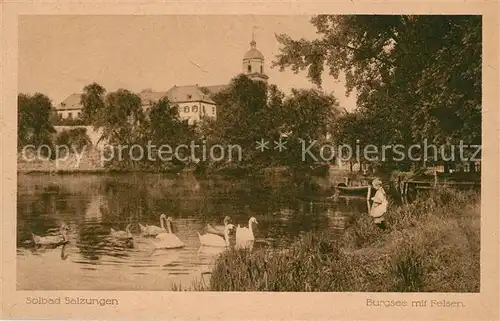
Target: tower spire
x: 253, y: 43
x: 253, y: 61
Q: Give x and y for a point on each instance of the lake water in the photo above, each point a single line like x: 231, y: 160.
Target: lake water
x: 93, y: 204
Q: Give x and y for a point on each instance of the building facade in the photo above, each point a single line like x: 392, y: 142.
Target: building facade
x: 194, y: 102
x: 70, y: 108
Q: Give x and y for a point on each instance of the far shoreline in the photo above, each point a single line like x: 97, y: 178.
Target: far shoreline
x: 222, y: 172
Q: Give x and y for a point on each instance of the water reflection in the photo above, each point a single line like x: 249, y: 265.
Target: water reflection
x: 92, y: 205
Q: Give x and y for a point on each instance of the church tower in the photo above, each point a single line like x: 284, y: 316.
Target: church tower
x: 253, y: 63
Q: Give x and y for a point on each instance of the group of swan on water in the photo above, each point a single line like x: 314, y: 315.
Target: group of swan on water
x: 163, y: 237
x: 229, y: 235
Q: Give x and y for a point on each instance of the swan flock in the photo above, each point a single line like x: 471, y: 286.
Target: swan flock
x: 163, y: 236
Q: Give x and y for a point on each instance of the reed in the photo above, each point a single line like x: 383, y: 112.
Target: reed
x: 431, y: 245
x: 198, y: 284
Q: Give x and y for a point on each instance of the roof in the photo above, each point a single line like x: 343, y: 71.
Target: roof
x: 190, y: 93
x: 176, y: 94
x: 215, y: 89
x: 72, y: 102
x: 253, y: 53
x: 148, y: 97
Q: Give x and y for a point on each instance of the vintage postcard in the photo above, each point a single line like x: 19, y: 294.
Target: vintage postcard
x: 250, y: 161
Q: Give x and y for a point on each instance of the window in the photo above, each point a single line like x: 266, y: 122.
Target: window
x: 60, y: 115
x: 189, y: 96
x: 78, y: 114
x: 70, y: 115
x: 186, y: 109
x: 194, y: 109
x: 203, y: 108
x: 213, y: 110
x: 249, y: 68
x: 261, y: 70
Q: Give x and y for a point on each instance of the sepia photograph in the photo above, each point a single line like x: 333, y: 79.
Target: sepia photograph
x: 249, y: 153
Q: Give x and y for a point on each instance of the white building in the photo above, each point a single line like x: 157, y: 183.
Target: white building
x: 70, y: 108
x: 194, y: 101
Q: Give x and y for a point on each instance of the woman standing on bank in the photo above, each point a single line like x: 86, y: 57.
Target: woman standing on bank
x: 380, y: 203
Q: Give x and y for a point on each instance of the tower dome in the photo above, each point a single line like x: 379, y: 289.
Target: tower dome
x: 253, y: 63
x: 253, y: 53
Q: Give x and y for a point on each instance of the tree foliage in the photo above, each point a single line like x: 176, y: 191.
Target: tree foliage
x: 165, y: 127
x: 308, y: 116
x: 74, y: 139
x: 92, y: 101
x: 249, y: 111
x: 417, y: 77
x: 241, y: 115
x: 120, y: 117
x: 33, y: 119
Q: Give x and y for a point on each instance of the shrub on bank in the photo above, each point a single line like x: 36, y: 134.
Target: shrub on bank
x: 431, y: 245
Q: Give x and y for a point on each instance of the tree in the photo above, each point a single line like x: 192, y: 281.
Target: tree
x: 33, y: 118
x: 74, y: 139
x: 165, y: 127
x: 450, y: 86
x: 92, y: 101
x: 165, y: 124
x: 121, y: 119
x: 239, y: 115
x: 253, y: 110
x: 308, y: 116
x: 238, y: 109
x: 350, y: 130
x: 309, y: 113
x: 417, y: 77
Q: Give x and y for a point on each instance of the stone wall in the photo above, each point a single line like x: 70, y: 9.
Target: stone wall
x: 90, y: 161
x: 94, y: 135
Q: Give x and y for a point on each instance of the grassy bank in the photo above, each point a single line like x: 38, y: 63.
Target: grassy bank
x: 431, y: 245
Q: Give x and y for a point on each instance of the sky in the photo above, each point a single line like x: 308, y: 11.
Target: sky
x: 59, y: 55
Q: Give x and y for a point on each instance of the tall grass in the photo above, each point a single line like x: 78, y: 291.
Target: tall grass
x: 431, y: 245
x: 267, y: 270
x: 197, y: 284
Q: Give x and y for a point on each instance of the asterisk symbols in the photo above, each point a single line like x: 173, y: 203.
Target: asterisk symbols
x: 280, y: 145
x: 262, y: 145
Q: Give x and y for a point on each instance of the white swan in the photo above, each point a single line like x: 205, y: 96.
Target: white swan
x: 122, y: 235
x: 244, y: 244
x: 152, y: 230
x: 216, y: 240
x: 52, y: 240
x: 219, y: 230
x: 167, y: 240
x: 244, y: 234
